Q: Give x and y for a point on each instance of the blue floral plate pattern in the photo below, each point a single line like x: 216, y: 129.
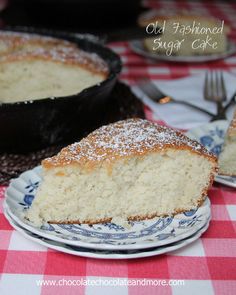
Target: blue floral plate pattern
x: 106, y: 254
x: 110, y: 236
x: 212, y: 135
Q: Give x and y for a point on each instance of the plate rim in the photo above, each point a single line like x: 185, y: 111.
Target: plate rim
x: 101, y: 246
x: 135, y: 46
x: 117, y: 256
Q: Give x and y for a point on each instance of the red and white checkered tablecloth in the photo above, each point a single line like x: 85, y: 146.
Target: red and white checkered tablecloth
x: 207, y: 266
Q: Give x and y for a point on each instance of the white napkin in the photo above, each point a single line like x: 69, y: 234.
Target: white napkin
x: 189, y: 89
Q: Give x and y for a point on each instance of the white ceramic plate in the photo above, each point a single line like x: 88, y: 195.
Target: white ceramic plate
x: 137, y: 47
x: 105, y: 254
x: 140, y: 234
x: 211, y: 135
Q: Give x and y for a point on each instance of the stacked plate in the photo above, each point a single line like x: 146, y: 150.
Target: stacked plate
x: 138, y: 47
x: 135, y: 239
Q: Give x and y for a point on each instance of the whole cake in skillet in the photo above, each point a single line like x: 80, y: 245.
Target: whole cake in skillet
x: 34, y: 67
x: 227, y: 158
x: 131, y: 169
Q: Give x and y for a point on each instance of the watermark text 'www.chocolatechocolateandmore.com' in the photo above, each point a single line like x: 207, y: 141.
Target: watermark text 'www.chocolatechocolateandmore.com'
x: 109, y: 282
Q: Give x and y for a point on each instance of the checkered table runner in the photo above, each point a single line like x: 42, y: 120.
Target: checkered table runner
x: 207, y: 266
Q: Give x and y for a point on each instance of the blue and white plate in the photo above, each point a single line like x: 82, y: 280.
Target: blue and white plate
x: 110, y: 236
x: 105, y: 254
x: 212, y: 135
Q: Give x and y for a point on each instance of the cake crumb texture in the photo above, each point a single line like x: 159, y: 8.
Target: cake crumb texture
x: 129, y: 170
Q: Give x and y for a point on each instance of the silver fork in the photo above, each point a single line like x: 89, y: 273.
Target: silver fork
x: 214, y: 90
x: 155, y: 94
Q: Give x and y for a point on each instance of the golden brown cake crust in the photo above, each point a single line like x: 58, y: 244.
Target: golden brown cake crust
x: 30, y: 47
x: 17, y: 41
x: 124, y: 139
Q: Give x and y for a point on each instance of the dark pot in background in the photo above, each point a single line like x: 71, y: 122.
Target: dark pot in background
x: 34, y: 125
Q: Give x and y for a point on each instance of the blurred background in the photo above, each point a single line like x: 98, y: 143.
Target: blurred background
x: 93, y: 16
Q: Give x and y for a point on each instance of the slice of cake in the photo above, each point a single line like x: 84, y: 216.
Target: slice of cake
x: 132, y: 169
x: 34, y: 67
x: 227, y: 158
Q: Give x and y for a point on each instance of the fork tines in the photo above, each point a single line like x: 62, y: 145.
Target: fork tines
x: 214, y: 86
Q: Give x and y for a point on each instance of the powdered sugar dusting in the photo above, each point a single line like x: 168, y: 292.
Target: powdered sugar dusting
x: 123, y: 139
x: 20, y: 46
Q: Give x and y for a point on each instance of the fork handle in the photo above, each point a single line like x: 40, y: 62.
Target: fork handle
x: 218, y: 117
x: 220, y: 112
x: 194, y: 107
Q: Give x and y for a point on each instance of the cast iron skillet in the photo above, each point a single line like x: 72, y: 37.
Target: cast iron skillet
x: 28, y: 126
